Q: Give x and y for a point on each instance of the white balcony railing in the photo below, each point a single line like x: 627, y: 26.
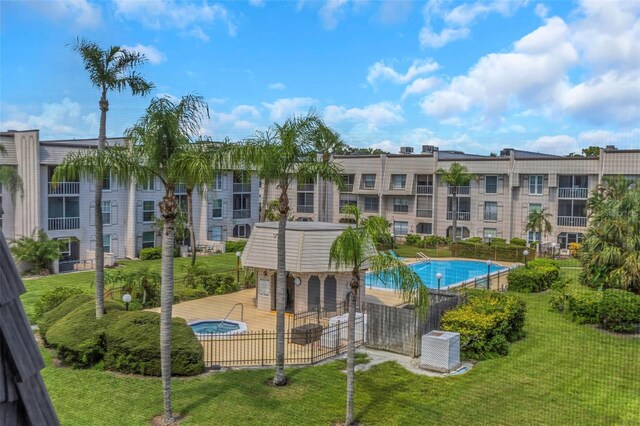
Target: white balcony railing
x: 61, y: 223
x: 572, y: 221
x: 62, y: 188
x: 242, y: 214
x: 462, y: 190
x: 347, y: 187
x: 424, y: 189
x: 573, y: 192
x: 461, y: 215
x: 241, y: 187
x: 424, y: 213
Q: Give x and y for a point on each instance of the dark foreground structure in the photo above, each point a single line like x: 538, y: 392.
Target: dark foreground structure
x: 23, y: 395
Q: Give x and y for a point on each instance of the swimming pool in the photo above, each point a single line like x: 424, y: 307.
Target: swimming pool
x: 205, y: 328
x: 453, y: 272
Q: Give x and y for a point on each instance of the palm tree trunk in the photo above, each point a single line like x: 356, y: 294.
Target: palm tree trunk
x: 454, y: 207
x: 281, y: 290
x: 169, y: 210
x: 192, y: 234
x: 265, y: 200
x: 323, y: 201
x: 99, y: 249
x: 351, y: 346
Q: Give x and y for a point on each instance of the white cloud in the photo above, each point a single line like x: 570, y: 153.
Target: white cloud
x: 237, y: 123
x: 420, y: 86
x: 83, y: 13
x: 151, y: 53
x: 541, y: 10
x: 284, y: 107
x: 185, y: 16
x: 256, y: 3
x: 514, y: 128
x: 374, y: 116
x: 429, y: 38
x: 331, y: 12
x: 381, y: 71
x: 558, y: 144
x: 624, y: 139
x: 276, y: 86
x: 418, y: 137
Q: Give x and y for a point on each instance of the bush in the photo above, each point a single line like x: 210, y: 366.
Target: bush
x: 584, y: 305
x: 475, y: 240
x: 498, y: 241
x: 518, y: 242
x: 540, y: 275
x: 133, y: 346
x: 154, y: 253
x: 186, y: 294
x: 620, y: 311
x: 413, y: 240
x: 52, y: 316
x: 37, y: 250
x: 234, y: 246
x: 486, y: 323
x: 434, y: 240
x: 79, y: 336
x: 53, y: 298
x: 227, y: 285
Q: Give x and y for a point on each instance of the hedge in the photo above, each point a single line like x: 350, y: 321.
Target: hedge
x: 538, y: 276
x: 620, y: 311
x: 487, y: 322
x: 78, y: 336
x: 53, y: 298
x: 154, y: 253
x: 186, y: 294
x: 133, y: 346
x: 52, y: 316
x: 234, y: 246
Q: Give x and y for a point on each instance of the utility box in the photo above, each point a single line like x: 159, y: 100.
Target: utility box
x: 440, y: 351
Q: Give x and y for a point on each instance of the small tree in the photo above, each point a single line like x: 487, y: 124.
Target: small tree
x: 538, y: 221
x: 457, y: 175
x: 38, y: 250
x: 10, y: 178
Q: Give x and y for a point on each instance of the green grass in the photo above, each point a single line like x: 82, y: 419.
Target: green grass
x: 411, y: 251
x: 36, y: 287
x: 561, y: 373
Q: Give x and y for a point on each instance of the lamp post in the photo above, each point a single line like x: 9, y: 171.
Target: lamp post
x: 392, y: 237
x: 525, y: 254
x: 438, y: 277
x: 238, y: 254
x: 488, y: 273
x: 553, y: 251
x: 126, y: 298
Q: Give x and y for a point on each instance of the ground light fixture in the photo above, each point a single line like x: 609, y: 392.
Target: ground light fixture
x: 553, y: 251
x: 489, y: 262
x: 438, y: 277
x: 392, y: 237
x: 126, y: 298
x: 525, y: 254
x: 238, y: 254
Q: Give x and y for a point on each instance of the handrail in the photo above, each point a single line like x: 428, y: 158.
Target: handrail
x: 423, y: 256
x: 232, y: 308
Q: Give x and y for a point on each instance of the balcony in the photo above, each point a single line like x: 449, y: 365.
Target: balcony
x: 424, y: 189
x: 63, y: 188
x: 62, y: 223
x: 401, y: 209
x: 180, y: 189
x: 572, y: 221
x: 462, y: 190
x: 461, y: 216
x: 424, y: 213
x: 573, y: 192
x: 242, y: 187
x: 242, y: 214
x: 304, y: 209
x: 347, y: 187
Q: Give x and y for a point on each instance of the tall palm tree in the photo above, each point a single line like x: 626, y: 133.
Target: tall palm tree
x: 111, y: 69
x: 326, y: 142
x: 355, y: 248
x: 282, y: 154
x: 10, y: 178
x: 538, y: 221
x: 457, y: 175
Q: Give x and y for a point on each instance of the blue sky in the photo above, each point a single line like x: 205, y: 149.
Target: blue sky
x: 475, y: 76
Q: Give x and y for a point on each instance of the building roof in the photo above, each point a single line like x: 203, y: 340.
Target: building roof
x: 307, y: 247
x: 23, y: 396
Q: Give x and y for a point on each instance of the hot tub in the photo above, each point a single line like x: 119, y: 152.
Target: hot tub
x: 215, y: 328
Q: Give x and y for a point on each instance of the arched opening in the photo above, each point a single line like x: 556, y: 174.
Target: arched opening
x: 313, y: 292
x: 330, y: 293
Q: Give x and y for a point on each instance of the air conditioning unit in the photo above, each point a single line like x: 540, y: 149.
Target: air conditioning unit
x: 406, y: 150
x: 440, y: 351
x: 429, y: 149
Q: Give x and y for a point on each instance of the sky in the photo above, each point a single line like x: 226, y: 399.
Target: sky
x: 477, y: 76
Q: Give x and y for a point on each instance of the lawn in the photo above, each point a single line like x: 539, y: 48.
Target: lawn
x: 411, y: 251
x: 36, y: 287
x: 561, y: 373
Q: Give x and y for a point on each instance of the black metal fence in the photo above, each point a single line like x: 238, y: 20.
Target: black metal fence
x: 318, y: 315
x: 258, y: 348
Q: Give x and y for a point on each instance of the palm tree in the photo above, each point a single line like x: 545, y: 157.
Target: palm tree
x: 355, y: 248
x: 282, y: 154
x: 112, y: 69
x: 326, y: 142
x: 10, y: 178
x: 538, y: 221
x: 457, y: 175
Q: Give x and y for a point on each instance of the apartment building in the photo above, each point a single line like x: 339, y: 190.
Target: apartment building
x: 66, y: 211
x: 405, y: 189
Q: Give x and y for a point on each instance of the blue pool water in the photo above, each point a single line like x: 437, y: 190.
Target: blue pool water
x: 453, y: 271
x: 208, y: 327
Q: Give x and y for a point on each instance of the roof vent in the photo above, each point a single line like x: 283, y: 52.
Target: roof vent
x: 611, y: 148
x: 506, y: 152
x: 406, y: 150
x: 429, y: 149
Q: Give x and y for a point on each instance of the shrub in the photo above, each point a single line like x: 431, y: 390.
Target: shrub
x: 486, y: 323
x: 498, y: 241
x: 234, y: 246
x: 434, y: 240
x: 584, y: 305
x: 52, y: 316
x: 154, y: 253
x: 133, y: 346
x: 620, y: 311
x: 413, y: 240
x: 228, y: 285
x: 475, y: 240
x: 186, y: 294
x: 518, y: 242
x: 37, y: 250
x: 79, y: 336
x: 53, y: 298
x: 574, y: 249
x: 540, y: 275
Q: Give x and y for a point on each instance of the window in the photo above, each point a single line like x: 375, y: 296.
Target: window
x: 241, y: 231
x: 106, y: 182
x: 536, y: 184
x: 216, y: 233
x: 534, y: 207
x: 424, y: 228
x: 566, y: 238
x: 217, y: 182
x: 368, y: 181
x: 398, y: 181
x: 400, y: 228
x: 106, y: 243
x: 400, y: 205
x: 148, y: 185
x: 461, y: 232
x: 348, y: 199
x: 148, y: 211
x: 491, y: 184
x: 148, y: 239
x: 305, y: 202
x: 347, y: 181
x: 490, y: 210
x: 489, y: 233
x: 64, y: 207
x: 371, y: 204
x: 533, y: 236
x: 217, y: 209
x: 106, y: 212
